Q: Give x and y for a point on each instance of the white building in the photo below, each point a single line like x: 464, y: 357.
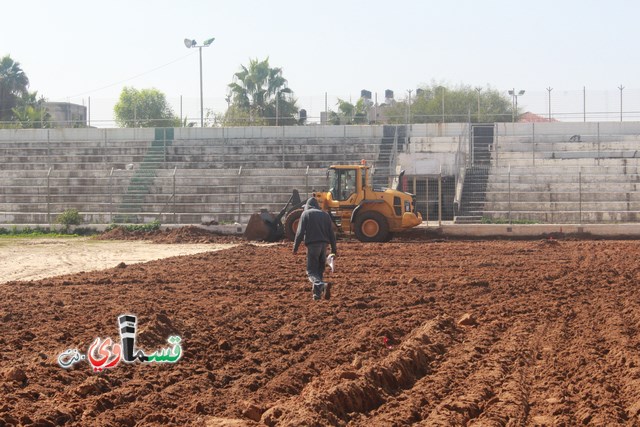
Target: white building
x: 67, y: 115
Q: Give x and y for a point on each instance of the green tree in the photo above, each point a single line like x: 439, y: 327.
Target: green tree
x: 144, y: 108
x: 260, y: 94
x: 435, y: 103
x: 349, y: 113
x: 13, y: 86
x: 31, y: 112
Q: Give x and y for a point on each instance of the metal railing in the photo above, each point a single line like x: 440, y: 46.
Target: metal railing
x: 561, y: 174
x: 563, y: 194
x: 172, y: 196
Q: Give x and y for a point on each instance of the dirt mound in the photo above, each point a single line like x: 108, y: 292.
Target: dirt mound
x: 192, y: 234
x: 188, y: 234
x: 553, y: 338
x: 121, y: 233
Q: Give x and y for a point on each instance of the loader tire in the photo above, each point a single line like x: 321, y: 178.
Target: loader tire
x: 291, y: 223
x: 371, y: 226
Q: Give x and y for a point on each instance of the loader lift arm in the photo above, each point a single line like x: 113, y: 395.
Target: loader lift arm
x: 265, y: 226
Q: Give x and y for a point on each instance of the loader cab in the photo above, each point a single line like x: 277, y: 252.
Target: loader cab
x: 345, y: 183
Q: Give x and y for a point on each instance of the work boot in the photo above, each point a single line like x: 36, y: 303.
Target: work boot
x: 327, y: 290
x: 317, y: 290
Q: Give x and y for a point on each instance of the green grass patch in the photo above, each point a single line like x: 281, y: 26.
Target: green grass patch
x: 38, y: 231
x: 150, y: 226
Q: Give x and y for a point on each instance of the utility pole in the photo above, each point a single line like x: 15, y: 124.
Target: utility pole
x: 549, y: 89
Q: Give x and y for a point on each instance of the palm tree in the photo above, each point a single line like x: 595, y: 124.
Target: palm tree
x: 13, y: 86
x: 349, y: 113
x: 31, y: 112
x: 262, y: 93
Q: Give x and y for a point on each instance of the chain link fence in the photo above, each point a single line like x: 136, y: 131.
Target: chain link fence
x: 546, y: 103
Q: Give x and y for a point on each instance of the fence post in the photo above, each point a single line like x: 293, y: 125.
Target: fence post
x: 174, y: 194
x: 533, y: 132
x: 496, y: 138
x: 495, y: 143
x: 306, y: 182
x: 415, y: 190
x: 48, y: 199
x: 440, y: 197
x: 598, y: 138
x: 509, y: 192
x: 580, y: 194
x: 472, y: 143
x: 239, y: 184
x: 533, y: 147
x: 426, y: 187
x: 110, y: 197
x: 392, y: 159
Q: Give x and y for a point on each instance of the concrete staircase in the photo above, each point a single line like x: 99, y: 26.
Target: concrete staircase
x: 476, y: 177
x: 144, y: 177
x: 473, y: 195
x: 394, y: 138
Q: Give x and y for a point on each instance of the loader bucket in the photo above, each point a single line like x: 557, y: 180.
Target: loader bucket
x: 264, y: 226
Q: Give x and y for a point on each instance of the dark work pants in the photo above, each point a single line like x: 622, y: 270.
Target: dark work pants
x: 316, y: 259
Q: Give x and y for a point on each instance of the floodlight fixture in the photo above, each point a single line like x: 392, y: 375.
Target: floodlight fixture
x: 189, y: 43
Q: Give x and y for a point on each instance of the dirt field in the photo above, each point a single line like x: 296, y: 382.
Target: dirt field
x: 33, y: 259
x: 485, y: 333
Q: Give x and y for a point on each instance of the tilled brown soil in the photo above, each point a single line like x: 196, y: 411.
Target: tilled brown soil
x: 187, y: 234
x: 486, y: 333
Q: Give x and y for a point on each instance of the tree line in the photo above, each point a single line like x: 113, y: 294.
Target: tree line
x: 259, y: 95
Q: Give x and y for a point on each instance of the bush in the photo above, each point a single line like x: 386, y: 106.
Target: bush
x: 45, y: 232
x: 150, y: 226
x: 68, y: 218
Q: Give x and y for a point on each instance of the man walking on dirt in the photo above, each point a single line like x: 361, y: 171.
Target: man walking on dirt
x: 316, y: 228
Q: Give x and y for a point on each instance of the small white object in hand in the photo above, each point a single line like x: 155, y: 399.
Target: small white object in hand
x: 331, y: 262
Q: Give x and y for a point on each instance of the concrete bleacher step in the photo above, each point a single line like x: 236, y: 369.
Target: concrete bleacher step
x: 560, y: 206
x: 568, y: 217
x: 554, y: 177
x: 567, y: 196
x: 468, y: 219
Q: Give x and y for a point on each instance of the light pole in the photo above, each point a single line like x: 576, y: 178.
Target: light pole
x: 192, y: 43
x: 514, y: 100
x: 621, y: 88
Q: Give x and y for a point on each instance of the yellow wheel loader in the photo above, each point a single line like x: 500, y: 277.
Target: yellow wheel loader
x: 355, y: 208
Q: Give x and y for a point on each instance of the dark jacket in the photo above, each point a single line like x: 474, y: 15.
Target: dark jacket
x: 315, y: 226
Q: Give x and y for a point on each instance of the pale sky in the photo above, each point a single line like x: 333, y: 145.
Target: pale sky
x: 72, y: 50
